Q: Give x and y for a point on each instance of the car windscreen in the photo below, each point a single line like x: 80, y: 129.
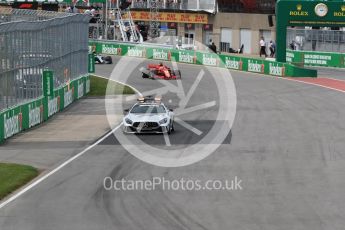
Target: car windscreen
x: 148, y: 109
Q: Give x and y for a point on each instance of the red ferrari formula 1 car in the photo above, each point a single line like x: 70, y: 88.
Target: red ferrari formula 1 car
x: 160, y: 71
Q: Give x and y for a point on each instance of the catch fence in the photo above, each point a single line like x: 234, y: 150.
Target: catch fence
x: 33, y: 41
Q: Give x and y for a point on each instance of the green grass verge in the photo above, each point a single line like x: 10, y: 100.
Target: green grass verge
x: 98, y: 87
x: 13, y: 176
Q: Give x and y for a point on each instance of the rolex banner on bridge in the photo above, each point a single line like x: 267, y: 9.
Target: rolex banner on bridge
x: 25, y: 116
x: 306, y: 13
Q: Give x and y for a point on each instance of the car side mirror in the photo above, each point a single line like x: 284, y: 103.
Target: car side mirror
x: 126, y: 111
x: 171, y: 110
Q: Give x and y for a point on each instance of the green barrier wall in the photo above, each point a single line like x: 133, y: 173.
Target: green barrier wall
x: 25, y: 116
x: 204, y: 58
x: 316, y: 58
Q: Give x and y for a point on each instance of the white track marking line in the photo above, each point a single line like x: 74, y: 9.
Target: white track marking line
x: 342, y: 80
x: 167, y: 139
x: 44, y: 177
x: 314, y: 84
x: 196, y: 108
x: 188, y: 126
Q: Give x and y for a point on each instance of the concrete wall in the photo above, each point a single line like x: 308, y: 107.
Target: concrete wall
x: 234, y: 21
x: 237, y: 21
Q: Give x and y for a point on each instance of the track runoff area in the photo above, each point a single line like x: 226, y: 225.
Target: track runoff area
x: 281, y: 165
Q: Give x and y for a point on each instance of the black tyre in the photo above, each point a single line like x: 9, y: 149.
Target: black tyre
x: 108, y: 60
x: 171, y: 128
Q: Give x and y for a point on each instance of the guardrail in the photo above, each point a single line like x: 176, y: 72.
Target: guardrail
x: 313, y: 58
x: 24, y: 116
x: 202, y: 58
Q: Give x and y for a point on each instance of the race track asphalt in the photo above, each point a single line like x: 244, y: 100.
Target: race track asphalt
x: 286, y: 145
x: 336, y: 73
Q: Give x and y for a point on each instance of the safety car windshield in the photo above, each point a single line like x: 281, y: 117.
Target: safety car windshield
x: 155, y: 109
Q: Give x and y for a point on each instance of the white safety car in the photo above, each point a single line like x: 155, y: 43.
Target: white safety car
x: 148, y: 115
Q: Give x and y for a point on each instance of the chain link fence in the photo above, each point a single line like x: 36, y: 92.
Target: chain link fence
x: 316, y: 40
x: 32, y: 41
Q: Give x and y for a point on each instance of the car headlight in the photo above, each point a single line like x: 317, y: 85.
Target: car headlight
x: 128, y: 121
x: 163, y: 121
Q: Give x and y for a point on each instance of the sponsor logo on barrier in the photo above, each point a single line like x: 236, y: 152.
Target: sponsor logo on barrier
x: 68, y: 98
x: 208, y: 60
x: 255, y: 67
x: 161, y: 55
x: 317, y: 59
x: 53, y: 106
x: 289, y: 56
x: 186, y: 57
x: 80, y: 90
x: 12, y: 125
x: 35, y: 116
x: 87, y: 86
x: 233, y: 64
x: 135, y: 52
x: 276, y: 70
x: 107, y: 49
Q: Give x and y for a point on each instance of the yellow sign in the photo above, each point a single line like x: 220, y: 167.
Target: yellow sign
x: 299, y: 11
x: 171, y: 17
x: 340, y: 13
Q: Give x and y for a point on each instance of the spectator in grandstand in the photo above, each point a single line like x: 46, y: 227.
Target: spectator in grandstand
x: 94, y: 15
x: 272, y: 47
x: 93, y: 12
x: 72, y: 9
x: 262, y: 47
